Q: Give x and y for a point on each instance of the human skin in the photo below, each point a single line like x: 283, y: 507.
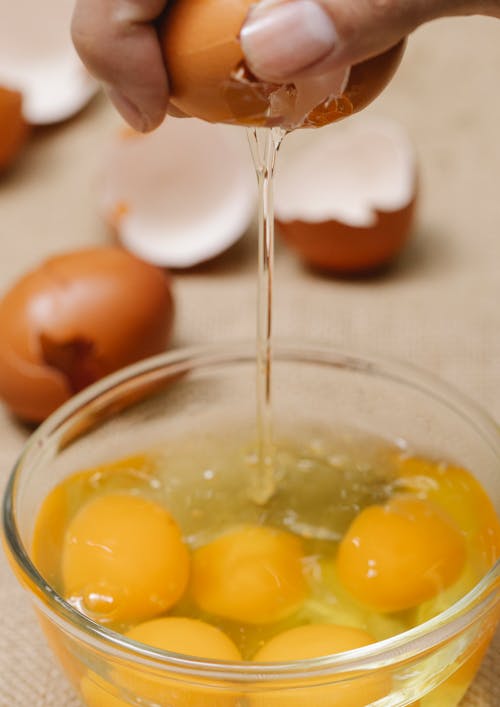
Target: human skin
x: 281, y: 40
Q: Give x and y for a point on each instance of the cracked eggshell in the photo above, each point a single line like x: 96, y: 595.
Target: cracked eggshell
x: 37, y: 59
x: 74, y: 319
x: 345, y: 200
x: 14, y: 130
x: 181, y: 195
x: 209, y: 78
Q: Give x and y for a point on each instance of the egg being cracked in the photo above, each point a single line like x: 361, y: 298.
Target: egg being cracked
x: 73, y: 320
x: 210, y: 80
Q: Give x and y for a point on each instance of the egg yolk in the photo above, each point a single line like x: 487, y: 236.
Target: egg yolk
x: 189, y: 637
x: 456, y: 491
x: 123, y: 559
x: 251, y: 574
x: 314, y: 641
x: 396, y: 556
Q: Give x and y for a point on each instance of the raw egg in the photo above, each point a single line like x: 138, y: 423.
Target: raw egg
x: 448, y: 486
x: 189, y: 637
x: 345, y: 197
x: 123, y: 559
x: 14, y: 130
x: 315, y: 641
x: 210, y: 80
x: 252, y: 574
x: 73, y: 320
x: 134, y: 473
x: 396, y: 556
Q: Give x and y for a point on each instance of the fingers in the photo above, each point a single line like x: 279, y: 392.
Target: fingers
x: 118, y: 43
x: 285, y: 39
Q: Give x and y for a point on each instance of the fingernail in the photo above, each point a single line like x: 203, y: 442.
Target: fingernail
x: 127, y: 109
x: 280, y: 40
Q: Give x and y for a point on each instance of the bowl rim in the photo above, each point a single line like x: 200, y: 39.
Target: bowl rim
x: 478, y: 602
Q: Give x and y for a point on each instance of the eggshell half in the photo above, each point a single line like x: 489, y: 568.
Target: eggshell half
x: 74, y: 319
x: 210, y: 80
x: 14, y: 130
x: 37, y: 58
x: 345, y: 199
x: 180, y: 195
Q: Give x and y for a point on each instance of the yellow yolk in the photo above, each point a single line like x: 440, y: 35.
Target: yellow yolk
x: 252, y: 574
x: 314, y: 641
x: 397, y: 556
x: 456, y: 491
x: 188, y: 637
x: 71, y: 494
x: 123, y: 559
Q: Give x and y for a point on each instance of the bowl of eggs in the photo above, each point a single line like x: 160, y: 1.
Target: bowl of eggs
x: 368, y: 576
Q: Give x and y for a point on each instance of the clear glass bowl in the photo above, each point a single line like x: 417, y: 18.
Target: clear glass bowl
x: 187, y: 392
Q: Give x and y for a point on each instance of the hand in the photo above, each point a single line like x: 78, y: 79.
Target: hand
x: 284, y: 40
x: 281, y: 39
x: 117, y: 41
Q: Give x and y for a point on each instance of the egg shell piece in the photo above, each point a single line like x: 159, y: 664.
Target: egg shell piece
x: 347, y: 173
x: 38, y: 59
x: 14, y: 131
x: 346, y: 199
x: 181, y: 195
x: 75, y: 318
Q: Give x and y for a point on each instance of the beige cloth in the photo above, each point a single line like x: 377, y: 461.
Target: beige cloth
x: 440, y: 308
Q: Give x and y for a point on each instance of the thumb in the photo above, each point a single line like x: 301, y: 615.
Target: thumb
x: 283, y: 39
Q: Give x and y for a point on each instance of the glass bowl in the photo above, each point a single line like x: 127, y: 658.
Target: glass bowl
x: 187, y: 395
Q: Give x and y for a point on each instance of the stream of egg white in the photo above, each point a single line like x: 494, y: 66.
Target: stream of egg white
x: 264, y: 146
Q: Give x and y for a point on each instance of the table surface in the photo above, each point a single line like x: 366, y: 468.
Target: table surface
x: 438, y: 308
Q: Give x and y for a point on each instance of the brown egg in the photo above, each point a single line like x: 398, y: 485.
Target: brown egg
x: 209, y: 78
x: 14, y: 130
x: 73, y: 320
x: 345, y: 198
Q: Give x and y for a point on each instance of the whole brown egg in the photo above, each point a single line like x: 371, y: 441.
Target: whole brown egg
x: 76, y: 318
x: 209, y: 78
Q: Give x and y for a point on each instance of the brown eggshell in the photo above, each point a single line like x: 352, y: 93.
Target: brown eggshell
x: 209, y: 79
x: 345, y: 197
x: 340, y: 248
x: 14, y: 130
x: 76, y: 318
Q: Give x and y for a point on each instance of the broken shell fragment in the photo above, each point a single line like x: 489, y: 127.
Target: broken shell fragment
x: 181, y: 195
x: 74, y: 319
x: 345, y: 197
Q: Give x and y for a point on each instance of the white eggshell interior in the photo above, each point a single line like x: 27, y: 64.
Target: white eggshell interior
x: 38, y: 59
x: 187, y: 188
x: 346, y: 172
